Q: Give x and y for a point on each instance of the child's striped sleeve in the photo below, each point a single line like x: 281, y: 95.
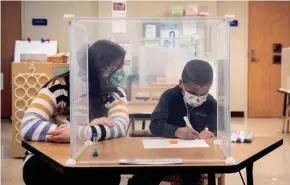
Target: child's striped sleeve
x: 36, y: 121
x: 118, y: 112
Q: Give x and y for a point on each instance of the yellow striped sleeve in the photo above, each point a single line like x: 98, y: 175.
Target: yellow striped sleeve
x: 120, y: 102
x: 110, y: 113
x: 40, y: 107
x: 46, y: 98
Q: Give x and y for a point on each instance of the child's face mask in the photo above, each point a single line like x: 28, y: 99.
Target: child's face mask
x: 193, y: 100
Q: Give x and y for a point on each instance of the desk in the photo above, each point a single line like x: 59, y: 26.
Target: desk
x: 245, y: 155
x: 285, y: 104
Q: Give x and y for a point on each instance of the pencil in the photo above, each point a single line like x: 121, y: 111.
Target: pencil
x: 187, y: 122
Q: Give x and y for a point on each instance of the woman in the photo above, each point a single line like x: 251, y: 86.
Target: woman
x: 47, y: 118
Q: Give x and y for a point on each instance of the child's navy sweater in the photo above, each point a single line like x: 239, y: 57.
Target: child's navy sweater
x: 169, y: 113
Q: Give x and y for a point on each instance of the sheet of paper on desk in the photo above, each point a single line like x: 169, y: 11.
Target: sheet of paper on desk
x: 165, y: 143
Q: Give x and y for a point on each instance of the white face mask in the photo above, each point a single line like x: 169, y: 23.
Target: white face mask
x: 193, y: 100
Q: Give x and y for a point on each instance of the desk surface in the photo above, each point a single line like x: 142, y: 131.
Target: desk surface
x: 57, y: 154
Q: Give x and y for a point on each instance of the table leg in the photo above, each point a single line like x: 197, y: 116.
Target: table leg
x: 133, y: 124
x: 211, y: 179
x: 284, y: 112
x: 143, y: 124
x: 250, y: 180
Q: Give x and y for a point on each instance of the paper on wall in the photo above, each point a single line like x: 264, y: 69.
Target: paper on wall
x: 126, y: 43
x: 168, y: 31
x: 165, y: 143
x: 189, y: 28
x: 34, y: 47
x: 119, y: 11
x: 150, y: 31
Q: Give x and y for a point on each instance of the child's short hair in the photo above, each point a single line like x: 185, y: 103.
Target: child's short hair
x: 197, y: 71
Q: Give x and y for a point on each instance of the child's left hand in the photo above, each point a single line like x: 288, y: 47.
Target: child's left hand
x: 205, y: 134
x: 60, y: 135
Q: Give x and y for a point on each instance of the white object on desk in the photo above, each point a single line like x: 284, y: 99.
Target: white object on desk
x: 165, y: 143
x: 34, y: 47
x: 150, y: 161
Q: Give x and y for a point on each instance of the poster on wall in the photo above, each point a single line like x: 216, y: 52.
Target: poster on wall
x: 119, y: 10
x: 168, y: 32
x: 126, y: 43
x: 150, y: 31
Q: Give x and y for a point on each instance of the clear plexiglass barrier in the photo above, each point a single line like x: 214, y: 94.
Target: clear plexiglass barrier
x: 285, y: 69
x: 141, y: 59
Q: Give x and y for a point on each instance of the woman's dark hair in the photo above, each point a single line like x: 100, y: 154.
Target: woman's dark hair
x: 197, y: 71
x: 103, y: 55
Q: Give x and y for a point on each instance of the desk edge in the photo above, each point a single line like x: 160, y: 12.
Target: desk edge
x: 43, y: 157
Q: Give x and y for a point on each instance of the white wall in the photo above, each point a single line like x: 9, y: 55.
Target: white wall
x: 239, y: 47
x: 53, y: 11
x: 57, y: 29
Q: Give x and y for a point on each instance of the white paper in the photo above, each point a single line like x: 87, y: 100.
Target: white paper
x: 126, y: 44
x: 165, y: 143
x: 34, y: 47
x: 119, y: 26
x: 150, y: 31
x: 151, y: 161
x: 189, y: 28
x: 119, y: 10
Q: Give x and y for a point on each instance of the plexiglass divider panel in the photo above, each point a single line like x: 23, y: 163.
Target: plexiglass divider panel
x: 79, y: 117
x: 285, y: 69
x: 153, y: 63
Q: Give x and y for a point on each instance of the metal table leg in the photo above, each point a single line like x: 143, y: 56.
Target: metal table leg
x: 250, y: 180
x: 284, y: 112
x: 133, y: 124
x: 211, y: 179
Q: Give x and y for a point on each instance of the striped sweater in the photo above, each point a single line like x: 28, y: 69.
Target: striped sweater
x: 50, y: 108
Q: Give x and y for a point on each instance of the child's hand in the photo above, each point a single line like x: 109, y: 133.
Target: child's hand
x: 205, y: 134
x: 60, y: 135
x: 102, y: 121
x: 186, y: 133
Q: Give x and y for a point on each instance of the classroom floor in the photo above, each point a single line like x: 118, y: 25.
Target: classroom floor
x: 274, y: 169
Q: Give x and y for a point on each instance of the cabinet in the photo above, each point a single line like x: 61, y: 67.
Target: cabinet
x: 27, y: 79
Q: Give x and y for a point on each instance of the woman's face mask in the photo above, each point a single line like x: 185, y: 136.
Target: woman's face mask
x: 117, y: 77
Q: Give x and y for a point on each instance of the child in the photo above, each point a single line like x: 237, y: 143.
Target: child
x: 108, y: 114
x: 190, y: 98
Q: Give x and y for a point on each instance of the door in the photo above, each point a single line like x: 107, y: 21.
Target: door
x: 10, y: 31
x: 269, y: 23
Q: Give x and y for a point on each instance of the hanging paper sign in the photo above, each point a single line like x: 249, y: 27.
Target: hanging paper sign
x: 119, y: 9
x: 169, y: 32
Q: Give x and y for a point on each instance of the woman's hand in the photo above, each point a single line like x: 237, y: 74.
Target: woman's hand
x: 102, y: 121
x: 60, y: 135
